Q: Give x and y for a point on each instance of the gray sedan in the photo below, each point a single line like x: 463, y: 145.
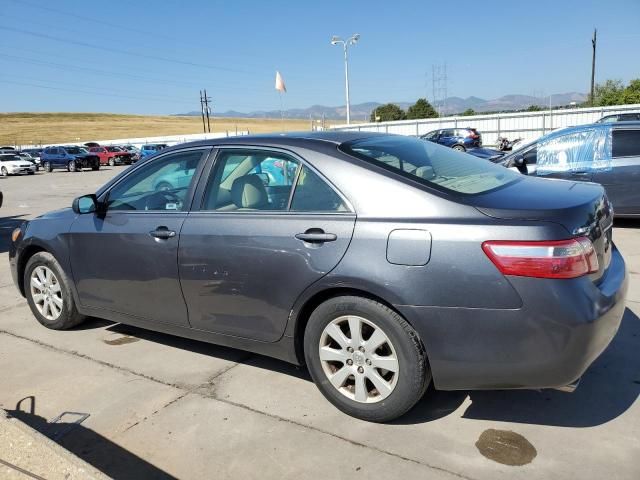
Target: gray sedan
x: 381, y: 262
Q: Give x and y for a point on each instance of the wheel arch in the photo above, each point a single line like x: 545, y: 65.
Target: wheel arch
x: 301, y: 318
x: 28, y: 252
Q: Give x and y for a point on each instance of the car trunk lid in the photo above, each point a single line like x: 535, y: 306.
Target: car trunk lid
x: 582, y: 208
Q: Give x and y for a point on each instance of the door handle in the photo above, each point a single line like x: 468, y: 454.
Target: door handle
x: 163, y: 233
x: 316, y: 235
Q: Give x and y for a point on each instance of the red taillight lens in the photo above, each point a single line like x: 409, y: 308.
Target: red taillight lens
x: 548, y: 259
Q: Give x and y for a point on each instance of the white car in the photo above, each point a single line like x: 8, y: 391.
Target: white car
x: 12, y: 164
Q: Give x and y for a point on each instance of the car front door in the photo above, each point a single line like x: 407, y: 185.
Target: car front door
x: 447, y: 137
x: 258, y: 241
x: 621, y: 181
x: 124, y: 259
x: 571, y: 156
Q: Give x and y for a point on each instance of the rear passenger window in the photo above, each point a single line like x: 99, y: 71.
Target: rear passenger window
x: 312, y: 194
x: 626, y: 143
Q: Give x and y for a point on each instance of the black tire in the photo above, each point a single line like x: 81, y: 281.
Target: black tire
x: 31, y: 173
x: 48, y: 167
x: 112, y: 162
x: 96, y: 166
x: 459, y: 148
x: 414, y: 374
x: 69, y: 316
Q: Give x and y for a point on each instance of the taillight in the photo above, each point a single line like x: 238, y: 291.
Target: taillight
x: 547, y: 259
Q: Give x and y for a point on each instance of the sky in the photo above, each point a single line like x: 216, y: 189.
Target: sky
x: 153, y: 57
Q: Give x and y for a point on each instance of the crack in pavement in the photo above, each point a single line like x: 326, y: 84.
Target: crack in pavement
x: 212, y: 396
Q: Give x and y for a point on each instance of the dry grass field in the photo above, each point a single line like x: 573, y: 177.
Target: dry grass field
x: 47, y: 128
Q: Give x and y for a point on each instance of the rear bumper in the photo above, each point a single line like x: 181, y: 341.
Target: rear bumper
x: 562, y: 327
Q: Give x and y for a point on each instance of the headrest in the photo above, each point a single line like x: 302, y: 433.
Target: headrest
x: 248, y: 192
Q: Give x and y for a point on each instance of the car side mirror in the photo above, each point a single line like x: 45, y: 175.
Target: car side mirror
x: 85, y: 204
x: 518, y: 161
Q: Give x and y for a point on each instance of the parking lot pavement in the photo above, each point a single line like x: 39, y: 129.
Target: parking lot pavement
x: 162, y: 407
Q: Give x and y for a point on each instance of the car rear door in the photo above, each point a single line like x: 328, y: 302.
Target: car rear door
x: 245, y: 256
x: 125, y: 259
x: 622, y: 180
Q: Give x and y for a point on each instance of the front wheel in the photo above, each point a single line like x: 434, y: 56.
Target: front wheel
x: 459, y: 148
x: 365, y: 358
x: 112, y: 162
x: 48, y: 167
x: 4, y: 172
x: 72, y: 166
x: 48, y: 293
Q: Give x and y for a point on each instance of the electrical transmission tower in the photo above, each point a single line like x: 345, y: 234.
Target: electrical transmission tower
x: 439, y: 82
x: 205, y: 109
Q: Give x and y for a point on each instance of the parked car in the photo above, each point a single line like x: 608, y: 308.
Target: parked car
x: 34, y: 152
x: 70, y: 157
x: 605, y: 153
x: 133, y: 150
x: 13, y: 164
x: 620, y: 117
x: 91, y: 144
x: 151, y: 148
x: 360, y: 281
x: 26, y: 156
x: 456, y: 138
x: 111, y: 155
x: 1, y: 198
x: 486, y: 153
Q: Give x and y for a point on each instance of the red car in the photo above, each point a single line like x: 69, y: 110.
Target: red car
x: 112, y: 155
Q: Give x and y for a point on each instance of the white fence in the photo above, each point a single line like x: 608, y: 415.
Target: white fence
x: 526, y: 125
x: 138, y: 141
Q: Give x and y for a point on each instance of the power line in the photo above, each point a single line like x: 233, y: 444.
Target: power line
x: 122, y: 52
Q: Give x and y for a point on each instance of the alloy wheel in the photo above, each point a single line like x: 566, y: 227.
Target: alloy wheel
x: 359, y: 359
x: 46, y: 292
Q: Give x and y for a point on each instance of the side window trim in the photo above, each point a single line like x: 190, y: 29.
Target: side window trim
x: 206, y: 150
x: 214, y: 158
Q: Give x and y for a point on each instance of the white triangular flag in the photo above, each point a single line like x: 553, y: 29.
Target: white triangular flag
x: 280, y: 83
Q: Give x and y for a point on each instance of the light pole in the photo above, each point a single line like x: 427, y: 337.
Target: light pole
x: 352, y: 40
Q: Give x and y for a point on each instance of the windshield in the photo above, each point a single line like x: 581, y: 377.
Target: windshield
x: 75, y: 150
x: 9, y: 158
x: 431, y: 164
x: 113, y: 149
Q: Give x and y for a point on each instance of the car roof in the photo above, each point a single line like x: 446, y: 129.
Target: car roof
x: 308, y: 139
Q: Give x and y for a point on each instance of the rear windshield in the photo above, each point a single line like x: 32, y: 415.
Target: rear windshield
x: 431, y: 164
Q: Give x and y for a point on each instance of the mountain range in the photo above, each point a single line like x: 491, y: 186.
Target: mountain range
x: 451, y: 106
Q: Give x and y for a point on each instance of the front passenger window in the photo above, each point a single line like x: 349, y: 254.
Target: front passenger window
x: 162, y: 184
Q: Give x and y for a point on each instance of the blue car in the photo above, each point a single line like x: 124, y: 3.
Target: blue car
x: 460, y: 139
x: 73, y: 158
x: 605, y: 153
x: 151, y: 148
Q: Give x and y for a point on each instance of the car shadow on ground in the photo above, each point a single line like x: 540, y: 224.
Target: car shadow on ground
x: 608, y: 389
x: 626, y: 223
x: 7, y: 225
x: 111, y: 459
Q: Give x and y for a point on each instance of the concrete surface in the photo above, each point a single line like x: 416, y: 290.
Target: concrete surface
x: 27, y: 453
x: 164, y: 407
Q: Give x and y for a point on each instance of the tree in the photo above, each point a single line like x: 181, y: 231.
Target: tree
x: 421, y: 109
x: 631, y: 93
x: 468, y: 112
x: 533, y: 108
x: 387, y: 113
x: 608, y: 93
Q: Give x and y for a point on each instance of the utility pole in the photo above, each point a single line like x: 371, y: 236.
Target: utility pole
x: 593, y: 64
x: 207, y: 109
x: 204, y: 128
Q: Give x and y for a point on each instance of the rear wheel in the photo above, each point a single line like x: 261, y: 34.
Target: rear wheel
x: 48, y: 293
x: 72, y: 166
x: 4, y: 172
x: 365, y: 358
x: 47, y: 167
x: 112, y: 162
x: 460, y: 148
